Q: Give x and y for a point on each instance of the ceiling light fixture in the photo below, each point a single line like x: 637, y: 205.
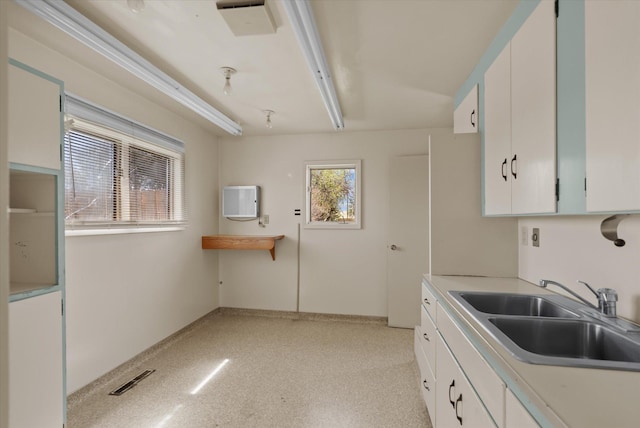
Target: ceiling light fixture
x: 135, y: 6
x: 304, y: 26
x: 67, y: 19
x: 228, y: 72
x: 269, y: 113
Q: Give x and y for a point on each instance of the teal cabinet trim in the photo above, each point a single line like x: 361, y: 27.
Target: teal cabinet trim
x: 36, y: 72
x: 571, y: 121
x: 506, y: 33
x: 33, y: 293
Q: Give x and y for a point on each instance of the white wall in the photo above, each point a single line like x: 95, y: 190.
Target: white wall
x: 341, y: 271
x: 4, y: 225
x: 127, y: 292
x: 462, y: 241
x: 573, y: 248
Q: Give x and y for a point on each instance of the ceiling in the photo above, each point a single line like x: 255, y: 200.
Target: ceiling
x: 396, y: 64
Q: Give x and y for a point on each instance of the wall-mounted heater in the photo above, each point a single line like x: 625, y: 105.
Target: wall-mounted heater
x: 241, y: 202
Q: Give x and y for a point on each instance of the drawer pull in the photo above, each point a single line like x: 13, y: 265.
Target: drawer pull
x: 426, y: 337
x: 426, y: 385
x: 426, y: 301
x: 459, y: 401
x: 453, y: 384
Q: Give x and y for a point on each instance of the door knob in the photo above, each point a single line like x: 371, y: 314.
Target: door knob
x: 393, y: 247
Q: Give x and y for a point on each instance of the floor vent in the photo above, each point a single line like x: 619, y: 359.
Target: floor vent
x: 130, y: 384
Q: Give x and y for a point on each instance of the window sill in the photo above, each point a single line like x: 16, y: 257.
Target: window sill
x: 333, y: 226
x: 121, y: 231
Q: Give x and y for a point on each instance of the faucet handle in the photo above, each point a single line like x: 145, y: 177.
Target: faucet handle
x: 590, y: 288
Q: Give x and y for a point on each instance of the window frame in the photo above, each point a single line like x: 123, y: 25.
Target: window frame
x: 355, y: 164
x: 127, y: 135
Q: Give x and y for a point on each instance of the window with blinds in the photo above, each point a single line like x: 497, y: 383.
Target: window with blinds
x: 119, y: 173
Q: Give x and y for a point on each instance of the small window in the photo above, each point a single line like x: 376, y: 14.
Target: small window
x: 115, y: 177
x: 333, y: 195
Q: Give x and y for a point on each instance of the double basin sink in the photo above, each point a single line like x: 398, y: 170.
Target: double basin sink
x: 554, y: 330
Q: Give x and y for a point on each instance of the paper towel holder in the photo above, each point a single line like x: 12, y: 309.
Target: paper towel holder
x: 609, y: 228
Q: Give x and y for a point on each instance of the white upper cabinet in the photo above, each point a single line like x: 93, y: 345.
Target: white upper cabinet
x: 465, y: 117
x: 34, y: 119
x: 533, y: 112
x: 612, y: 73
x: 497, y: 135
x: 520, y: 120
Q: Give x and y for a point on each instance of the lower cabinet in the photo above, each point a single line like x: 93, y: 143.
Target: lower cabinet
x: 457, y: 404
x: 35, y: 362
x: 459, y: 387
x: 427, y: 378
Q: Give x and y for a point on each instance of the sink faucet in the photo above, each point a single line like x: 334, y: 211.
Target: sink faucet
x: 607, y: 297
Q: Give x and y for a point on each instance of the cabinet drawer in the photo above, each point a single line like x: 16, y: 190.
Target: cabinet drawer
x: 486, y: 382
x: 428, y: 337
x: 428, y: 300
x: 427, y: 379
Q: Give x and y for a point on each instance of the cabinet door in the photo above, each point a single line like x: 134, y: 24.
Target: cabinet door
x: 35, y: 362
x: 486, y: 383
x: 427, y: 379
x: 457, y: 405
x: 612, y: 73
x: 533, y: 112
x: 516, y: 416
x: 465, y: 117
x: 497, y: 135
x: 34, y: 119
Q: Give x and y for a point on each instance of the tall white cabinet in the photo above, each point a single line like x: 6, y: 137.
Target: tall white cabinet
x: 520, y: 120
x: 612, y: 101
x: 37, y: 396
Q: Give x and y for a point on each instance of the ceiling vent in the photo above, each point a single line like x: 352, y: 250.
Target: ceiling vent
x: 249, y: 17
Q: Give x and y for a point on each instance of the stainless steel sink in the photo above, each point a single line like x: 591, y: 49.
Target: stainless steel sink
x: 513, y: 304
x: 553, y: 330
x: 569, y: 339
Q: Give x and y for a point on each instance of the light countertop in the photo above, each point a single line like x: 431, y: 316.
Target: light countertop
x: 563, y: 396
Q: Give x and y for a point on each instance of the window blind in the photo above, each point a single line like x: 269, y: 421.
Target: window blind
x: 118, y: 172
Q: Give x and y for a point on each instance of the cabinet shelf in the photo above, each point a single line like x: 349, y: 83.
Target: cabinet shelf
x: 241, y: 242
x: 16, y: 288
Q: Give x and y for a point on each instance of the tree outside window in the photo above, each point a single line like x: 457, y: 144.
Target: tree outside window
x: 333, y: 192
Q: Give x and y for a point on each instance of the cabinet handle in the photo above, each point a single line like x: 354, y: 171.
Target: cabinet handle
x: 426, y: 301
x: 514, y: 171
x: 426, y: 385
x: 473, y: 112
x: 504, y: 169
x: 453, y: 384
x: 459, y: 401
x: 426, y: 337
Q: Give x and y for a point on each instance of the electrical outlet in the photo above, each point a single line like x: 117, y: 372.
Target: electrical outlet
x: 265, y: 219
x: 535, y: 237
x: 524, y: 236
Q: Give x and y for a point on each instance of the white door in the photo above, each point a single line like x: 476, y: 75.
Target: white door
x: 407, y: 249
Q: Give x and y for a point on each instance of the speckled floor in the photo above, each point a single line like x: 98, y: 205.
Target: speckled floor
x: 264, y: 372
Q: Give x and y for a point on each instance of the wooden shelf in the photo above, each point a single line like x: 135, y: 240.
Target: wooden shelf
x: 241, y: 242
